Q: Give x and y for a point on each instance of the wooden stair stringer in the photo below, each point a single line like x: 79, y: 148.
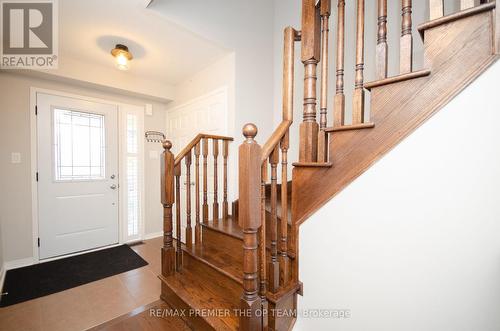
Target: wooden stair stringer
x: 463, y: 53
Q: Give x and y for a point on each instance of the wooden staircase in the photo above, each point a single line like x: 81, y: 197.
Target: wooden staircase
x: 238, y: 269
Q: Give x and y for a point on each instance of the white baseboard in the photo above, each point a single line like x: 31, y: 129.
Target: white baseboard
x: 2, y: 277
x: 9, y: 265
x: 153, y: 235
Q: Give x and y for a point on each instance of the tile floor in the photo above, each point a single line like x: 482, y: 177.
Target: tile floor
x: 91, y: 304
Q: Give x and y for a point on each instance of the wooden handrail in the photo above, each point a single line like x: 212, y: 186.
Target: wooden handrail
x: 195, y: 141
x: 275, y: 139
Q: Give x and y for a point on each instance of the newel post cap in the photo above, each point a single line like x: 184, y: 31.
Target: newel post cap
x: 250, y: 130
x: 167, y: 145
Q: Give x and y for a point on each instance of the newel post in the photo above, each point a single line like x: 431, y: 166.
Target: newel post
x: 167, y: 200
x: 250, y: 220
x: 310, y: 57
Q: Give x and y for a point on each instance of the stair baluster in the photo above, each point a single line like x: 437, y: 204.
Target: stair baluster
x: 325, y: 11
x: 436, y: 9
x: 197, y: 230
x: 168, y: 263
x: 406, y: 44
x: 262, y: 243
x: 205, y: 180
x: 273, y: 263
x: 339, y: 101
x: 284, y: 260
x: 358, y: 103
x: 382, y: 48
x: 225, y: 205
x: 250, y: 221
x: 189, y: 231
x: 215, y: 206
x: 178, y: 221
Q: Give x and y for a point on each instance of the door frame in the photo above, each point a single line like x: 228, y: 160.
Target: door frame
x: 121, y: 163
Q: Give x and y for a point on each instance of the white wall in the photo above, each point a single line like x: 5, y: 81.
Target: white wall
x: 246, y: 28
x: 218, y: 75
x: 413, y: 244
x: 15, y: 181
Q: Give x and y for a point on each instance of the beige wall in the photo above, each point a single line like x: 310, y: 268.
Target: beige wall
x: 1, y: 250
x: 15, y: 181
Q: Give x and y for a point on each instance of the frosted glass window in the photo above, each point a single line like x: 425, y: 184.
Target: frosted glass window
x: 131, y: 133
x: 79, y: 145
x: 132, y: 176
x: 133, y: 196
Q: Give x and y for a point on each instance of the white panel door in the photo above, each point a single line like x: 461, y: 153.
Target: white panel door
x: 206, y: 114
x: 77, y: 175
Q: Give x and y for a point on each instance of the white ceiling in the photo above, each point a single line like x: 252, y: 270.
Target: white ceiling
x: 163, y: 51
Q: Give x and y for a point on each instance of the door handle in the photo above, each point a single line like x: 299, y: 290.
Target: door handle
x: 113, y: 187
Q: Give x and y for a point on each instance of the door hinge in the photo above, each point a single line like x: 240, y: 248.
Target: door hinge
x: 38, y: 241
x: 36, y: 110
x: 37, y: 176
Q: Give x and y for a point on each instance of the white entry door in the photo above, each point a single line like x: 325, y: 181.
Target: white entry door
x: 77, y: 175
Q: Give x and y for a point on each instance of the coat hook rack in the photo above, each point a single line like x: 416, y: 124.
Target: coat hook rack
x: 155, y: 137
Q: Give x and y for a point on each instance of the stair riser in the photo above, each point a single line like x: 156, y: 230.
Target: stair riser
x: 221, y: 277
x: 233, y: 246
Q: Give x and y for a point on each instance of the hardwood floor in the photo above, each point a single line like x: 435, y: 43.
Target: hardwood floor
x: 91, y: 304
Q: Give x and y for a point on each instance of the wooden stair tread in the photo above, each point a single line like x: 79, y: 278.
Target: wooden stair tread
x: 454, y: 17
x: 350, y: 127
x: 218, y: 259
x: 397, y: 79
x: 205, y: 295
x: 229, y: 227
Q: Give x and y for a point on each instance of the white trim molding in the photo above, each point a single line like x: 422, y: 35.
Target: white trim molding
x: 2, y: 278
x: 153, y: 235
x: 15, y: 264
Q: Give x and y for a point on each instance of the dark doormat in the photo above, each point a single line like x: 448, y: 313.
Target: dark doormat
x: 51, y: 277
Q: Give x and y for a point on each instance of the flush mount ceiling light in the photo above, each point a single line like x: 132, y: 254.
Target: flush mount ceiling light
x: 122, y: 56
